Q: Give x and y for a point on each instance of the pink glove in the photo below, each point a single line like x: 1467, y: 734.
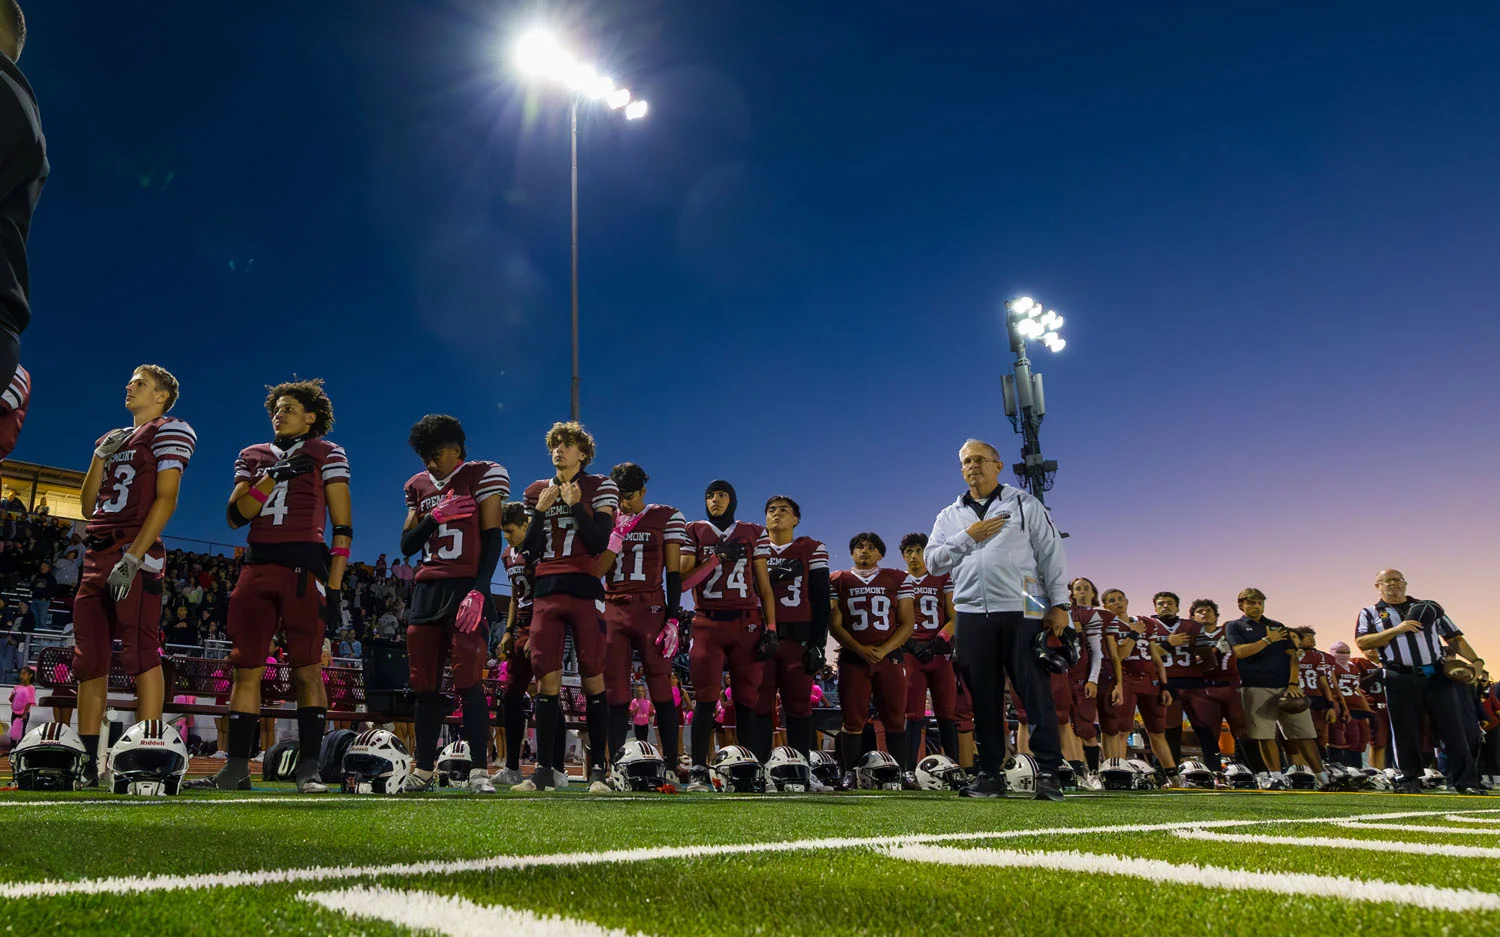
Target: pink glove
x: 666, y: 639
x: 470, y: 612
x: 616, y: 541
x: 454, y: 508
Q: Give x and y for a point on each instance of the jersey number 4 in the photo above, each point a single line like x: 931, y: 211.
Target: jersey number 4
x: 275, y: 506
x: 735, y: 581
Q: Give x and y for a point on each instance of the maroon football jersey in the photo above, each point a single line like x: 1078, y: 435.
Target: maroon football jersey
x: 731, y: 587
x: 868, y: 606
x: 639, y: 567
x: 521, y: 582
x: 798, y: 559
x: 129, y: 486
x: 1089, y: 622
x: 565, y: 552
x: 1312, y: 665
x: 1139, y: 659
x: 929, y: 592
x: 452, y: 552
x: 1181, y: 665
x: 295, y: 511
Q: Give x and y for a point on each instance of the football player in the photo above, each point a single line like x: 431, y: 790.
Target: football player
x: 1372, y: 681
x: 1219, y: 698
x: 798, y: 570
x: 1185, y: 648
x: 1075, y: 694
x: 132, y: 482
x: 734, y: 623
x: 572, y: 515
x: 872, y: 617
x: 929, y: 654
x: 639, y: 615
x: 1318, y: 681
x: 286, y: 490
x: 453, y: 514
x: 1349, y: 739
x: 1135, y: 641
x: 25, y: 172
x: 515, y: 646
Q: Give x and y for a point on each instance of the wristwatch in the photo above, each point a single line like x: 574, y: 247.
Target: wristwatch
x: 1065, y: 606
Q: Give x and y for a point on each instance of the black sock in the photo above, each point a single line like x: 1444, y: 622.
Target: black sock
x: 548, y: 714
x: 702, y: 732
x: 989, y: 748
x: 91, y: 744
x: 243, y: 728
x: 428, y: 719
x: 560, y: 747
x: 916, y: 731
x: 867, y: 739
x: 1174, y: 743
x: 895, y: 743
x: 1091, y: 756
x: 666, y: 727
x: 799, y: 734
x: 948, y: 733
x: 1209, y: 742
x: 477, y: 725
x: 619, y: 727
x: 312, y: 723
x: 848, y: 748
x: 1078, y: 768
x: 596, y: 718
x: 748, y: 725
x: 514, y: 717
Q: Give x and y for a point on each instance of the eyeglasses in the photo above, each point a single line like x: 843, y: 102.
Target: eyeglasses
x: 977, y: 460
x: 1381, y: 582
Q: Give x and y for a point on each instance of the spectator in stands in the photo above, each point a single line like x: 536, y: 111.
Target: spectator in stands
x: 67, y: 563
x: 43, y: 587
x: 7, y: 615
x: 42, y: 508
x: 22, y: 698
x: 380, y: 567
x: 10, y: 657
x: 386, y: 626
x: 182, y: 630
x: 14, y: 503
x: 402, y: 571
x: 347, y: 643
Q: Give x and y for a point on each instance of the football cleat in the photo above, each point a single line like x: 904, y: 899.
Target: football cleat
x: 312, y: 784
x: 1433, y: 780
x: 940, y: 773
x: 1090, y: 782
x: 50, y: 758
x: 148, y: 760
x: 479, y: 781
x: 507, y: 777
x: 788, y: 772
x: 984, y: 785
x: 736, y: 770
x: 637, y: 766
x: 1195, y: 774
x: 378, y: 763
x: 597, y: 784
x: 877, y: 771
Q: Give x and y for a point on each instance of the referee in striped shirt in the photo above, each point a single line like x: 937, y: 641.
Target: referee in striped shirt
x: 1410, y: 636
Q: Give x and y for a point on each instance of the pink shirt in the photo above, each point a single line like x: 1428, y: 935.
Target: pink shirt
x: 22, y: 698
x: 817, y: 695
x: 640, y: 711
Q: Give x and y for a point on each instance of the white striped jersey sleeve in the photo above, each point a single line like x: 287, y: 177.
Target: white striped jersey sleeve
x: 173, y: 445
x: 607, y: 496
x: 675, y: 530
x: 336, y: 466
x: 18, y: 394
x: 908, y: 589
x: 242, y: 472
x: 819, y: 558
x: 495, y: 482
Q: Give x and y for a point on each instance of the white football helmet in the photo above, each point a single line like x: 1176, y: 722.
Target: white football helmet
x: 940, y: 773
x: 1377, y: 780
x: 736, y: 770
x: 1239, y: 777
x: 787, y: 771
x: 824, y: 767
x: 1301, y: 778
x: 1145, y: 775
x: 1195, y: 774
x: 377, y: 763
x: 50, y: 758
x: 877, y: 771
x: 1433, y: 780
x: 1020, y: 774
x: 1117, y: 775
x: 638, y: 766
x: 148, y: 760
x: 453, y: 765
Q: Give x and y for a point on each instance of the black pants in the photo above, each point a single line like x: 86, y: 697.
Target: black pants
x: 987, y: 649
x: 1449, y: 707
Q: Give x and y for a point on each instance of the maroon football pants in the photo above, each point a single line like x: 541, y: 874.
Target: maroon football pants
x: 518, y: 673
x: 631, y: 623
x: 428, y: 646
x: 1210, y: 707
x: 858, y: 680
x: 784, y: 672
x: 1074, y: 708
x: 1139, y: 692
x: 726, y: 645
x: 268, y: 597
x: 135, y: 621
x: 936, y: 676
x: 552, y: 616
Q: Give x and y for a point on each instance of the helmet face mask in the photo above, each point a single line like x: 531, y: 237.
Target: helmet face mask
x: 50, y: 757
x: 377, y: 763
x: 878, y: 771
x: 149, y: 760
x: 940, y: 773
x: 824, y: 767
x: 1195, y: 774
x: 1239, y: 777
x: 1021, y: 772
x: 788, y: 772
x: 1117, y: 775
x: 454, y: 764
x: 1301, y: 778
x: 735, y: 770
x: 637, y: 766
x: 1057, y: 659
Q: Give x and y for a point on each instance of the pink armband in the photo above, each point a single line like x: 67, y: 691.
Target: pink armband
x: 259, y: 495
x: 340, y: 551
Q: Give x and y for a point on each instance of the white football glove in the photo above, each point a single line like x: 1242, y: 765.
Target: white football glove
x: 112, y: 442
x: 123, y: 576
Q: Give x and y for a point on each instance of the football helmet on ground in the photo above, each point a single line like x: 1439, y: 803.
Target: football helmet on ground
x: 787, y: 771
x: 1195, y: 774
x: 50, y: 758
x: 877, y: 771
x: 453, y: 765
x: 736, y: 770
x: 1301, y: 778
x: 377, y: 763
x: 637, y: 766
x: 940, y: 773
x: 1021, y: 773
x: 1117, y: 775
x: 1239, y: 777
x: 824, y: 767
x: 148, y: 760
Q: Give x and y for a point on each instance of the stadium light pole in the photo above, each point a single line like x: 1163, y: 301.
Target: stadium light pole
x: 541, y: 57
x: 1025, y: 404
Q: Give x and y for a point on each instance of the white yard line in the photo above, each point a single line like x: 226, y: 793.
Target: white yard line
x: 1206, y: 876
x: 426, y: 912
x: 1356, y: 824
x: 1331, y: 842
x: 255, y: 877
x: 1459, y: 818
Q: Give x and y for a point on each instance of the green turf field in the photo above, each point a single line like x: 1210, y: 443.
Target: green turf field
x: 568, y: 863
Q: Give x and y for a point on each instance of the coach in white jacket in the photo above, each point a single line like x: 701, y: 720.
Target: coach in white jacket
x: 1009, y: 581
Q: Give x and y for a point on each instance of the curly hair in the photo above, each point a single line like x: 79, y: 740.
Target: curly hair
x: 572, y: 432
x: 434, y: 431
x: 311, y: 395
x: 629, y: 477
x: 514, y: 515
x: 1203, y: 603
x: 164, y: 380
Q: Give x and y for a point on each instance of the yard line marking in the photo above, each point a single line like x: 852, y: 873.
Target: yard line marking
x: 1334, y: 842
x: 1460, y: 818
x: 1208, y: 876
x: 1413, y: 828
x: 453, y: 916
x: 254, y: 877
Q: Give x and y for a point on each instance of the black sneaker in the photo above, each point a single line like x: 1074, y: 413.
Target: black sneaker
x: 1408, y: 787
x: 1473, y: 791
x: 1048, y: 787
x: 985, y: 785
x: 219, y: 782
x: 89, y: 779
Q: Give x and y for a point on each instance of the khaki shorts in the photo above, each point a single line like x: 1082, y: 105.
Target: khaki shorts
x: 1262, y: 714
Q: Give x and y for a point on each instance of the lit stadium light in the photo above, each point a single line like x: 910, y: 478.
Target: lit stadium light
x: 618, y: 98
x: 539, y: 55
x: 1020, y: 306
x: 1030, y: 320
x: 635, y: 110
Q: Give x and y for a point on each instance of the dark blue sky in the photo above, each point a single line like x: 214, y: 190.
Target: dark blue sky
x: 1272, y: 230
